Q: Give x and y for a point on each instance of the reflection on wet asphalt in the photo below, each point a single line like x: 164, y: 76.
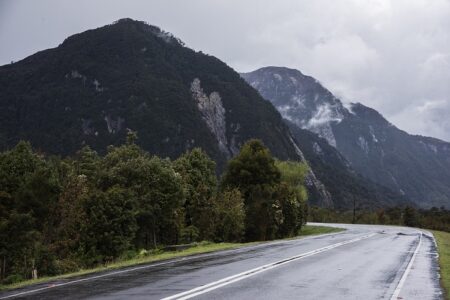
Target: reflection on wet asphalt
x: 367, y: 269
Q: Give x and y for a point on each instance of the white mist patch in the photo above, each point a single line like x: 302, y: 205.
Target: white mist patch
x: 349, y: 107
x: 325, y: 114
x: 321, y: 120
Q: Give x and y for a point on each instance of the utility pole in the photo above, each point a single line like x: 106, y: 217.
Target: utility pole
x: 354, y: 210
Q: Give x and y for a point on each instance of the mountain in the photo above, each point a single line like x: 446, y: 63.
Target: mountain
x: 347, y: 187
x: 130, y: 75
x: 417, y: 167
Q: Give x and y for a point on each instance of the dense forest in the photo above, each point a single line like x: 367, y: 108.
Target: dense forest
x: 60, y: 215
x: 434, y: 218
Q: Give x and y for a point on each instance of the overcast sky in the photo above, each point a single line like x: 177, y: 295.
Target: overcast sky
x: 392, y: 55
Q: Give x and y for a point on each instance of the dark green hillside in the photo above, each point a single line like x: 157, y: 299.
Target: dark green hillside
x: 130, y: 75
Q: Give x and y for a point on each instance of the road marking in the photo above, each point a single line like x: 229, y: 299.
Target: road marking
x: 147, y: 266
x: 234, y: 278
x: 408, y: 269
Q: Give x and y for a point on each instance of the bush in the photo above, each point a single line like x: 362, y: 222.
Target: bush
x: 12, y: 279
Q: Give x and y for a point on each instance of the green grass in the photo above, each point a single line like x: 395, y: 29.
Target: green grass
x: 203, y: 247
x: 443, y: 242
x: 314, y: 230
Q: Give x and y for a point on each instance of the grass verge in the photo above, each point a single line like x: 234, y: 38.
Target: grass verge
x: 315, y: 230
x: 204, y: 247
x: 443, y: 242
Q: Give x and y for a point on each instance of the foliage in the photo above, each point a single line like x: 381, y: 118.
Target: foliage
x: 60, y: 215
x: 443, y: 244
x: 230, y: 218
x: 197, y: 171
x: 274, y: 196
x: 433, y: 218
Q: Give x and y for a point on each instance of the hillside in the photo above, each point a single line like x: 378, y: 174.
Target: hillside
x: 130, y: 75
x: 414, y: 166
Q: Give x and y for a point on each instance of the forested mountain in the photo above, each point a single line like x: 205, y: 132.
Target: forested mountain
x: 415, y: 166
x: 130, y: 75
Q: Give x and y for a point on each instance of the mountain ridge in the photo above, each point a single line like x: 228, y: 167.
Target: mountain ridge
x: 412, y: 165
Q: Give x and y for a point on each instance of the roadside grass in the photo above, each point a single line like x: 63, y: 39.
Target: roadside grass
x: 443, y: 242
x: 315, y: 230
x: 159, y: 255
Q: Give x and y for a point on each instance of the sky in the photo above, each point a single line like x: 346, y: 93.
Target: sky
x: 391, y: 55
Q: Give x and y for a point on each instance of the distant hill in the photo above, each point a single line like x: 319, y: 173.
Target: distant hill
x: 414, y: 166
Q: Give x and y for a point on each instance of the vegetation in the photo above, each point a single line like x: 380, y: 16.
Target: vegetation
x: 274, y: 199
x: 144, y: 257
x: 443, y: 242
x: 98, y: 83
x: 65, y: 215
x: 434, y: 218
x: 315, y: 230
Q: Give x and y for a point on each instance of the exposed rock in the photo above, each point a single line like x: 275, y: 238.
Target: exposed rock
x: 114, y: 126
x: 212, y: 112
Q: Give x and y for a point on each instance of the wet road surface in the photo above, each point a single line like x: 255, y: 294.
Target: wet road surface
x: 363, y: 262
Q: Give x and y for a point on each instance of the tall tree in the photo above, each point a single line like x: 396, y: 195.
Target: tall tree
x: 198, y: 173
x: 254, y: 173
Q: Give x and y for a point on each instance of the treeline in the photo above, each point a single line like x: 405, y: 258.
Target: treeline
x: 61, y: 215
x: 434, y: 218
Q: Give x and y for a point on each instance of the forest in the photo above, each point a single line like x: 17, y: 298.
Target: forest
x: 60, y: 215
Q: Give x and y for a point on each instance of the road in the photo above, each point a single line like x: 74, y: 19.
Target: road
x: 363, y: 262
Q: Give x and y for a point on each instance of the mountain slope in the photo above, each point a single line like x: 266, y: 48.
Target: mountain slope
x: 418, y: 167
x: 130, y: 75
x: 97, y: 84
x: 347, y: 187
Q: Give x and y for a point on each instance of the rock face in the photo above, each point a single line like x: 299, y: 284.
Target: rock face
x: 415, y: 166
x: 213, y: 114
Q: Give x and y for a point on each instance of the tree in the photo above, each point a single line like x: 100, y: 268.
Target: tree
x: 410, y: 217
x: 230, y: 216
x: 254, y: 173
x: 110, y: 225
x: 292, y: 196
x: 200, y: 183
x: 155, y: 188
x: 29, y: 189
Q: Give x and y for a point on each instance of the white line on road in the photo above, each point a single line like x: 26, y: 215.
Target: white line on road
x: 182, y: 259
x: 408, y: 268
x: 228, y: 280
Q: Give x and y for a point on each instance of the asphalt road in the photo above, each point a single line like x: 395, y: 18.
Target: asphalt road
x: 363, y: 262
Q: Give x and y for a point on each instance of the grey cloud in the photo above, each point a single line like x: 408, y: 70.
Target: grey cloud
x: 393, y: 55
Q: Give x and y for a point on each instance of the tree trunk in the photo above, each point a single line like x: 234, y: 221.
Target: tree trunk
x: 33, y: 270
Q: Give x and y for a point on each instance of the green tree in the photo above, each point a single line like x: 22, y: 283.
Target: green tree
x: 110, y: 225
x: 292, y: 196
x: 410, y: 217
x: 230, y: 216
x: 29, y: 189
x: 200, y: 183
x: 254, y: 173
x: 155, y: 188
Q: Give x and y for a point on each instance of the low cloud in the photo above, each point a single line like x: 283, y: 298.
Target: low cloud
x: 392, y: 55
